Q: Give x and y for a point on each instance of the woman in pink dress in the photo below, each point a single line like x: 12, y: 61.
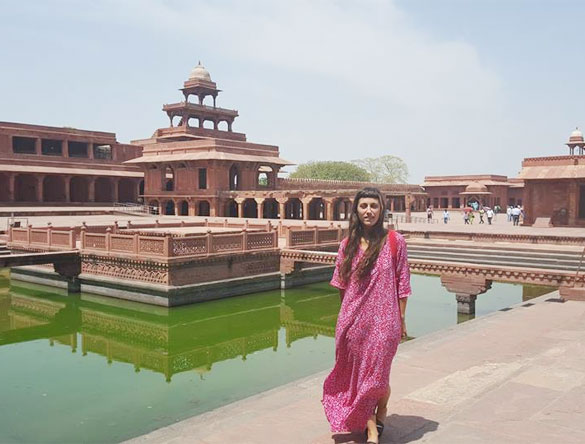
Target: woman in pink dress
x: 373, y: 278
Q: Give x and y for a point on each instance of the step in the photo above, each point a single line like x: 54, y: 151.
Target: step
x: 558, y: 257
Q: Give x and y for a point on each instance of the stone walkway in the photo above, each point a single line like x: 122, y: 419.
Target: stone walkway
x: 515, y: 376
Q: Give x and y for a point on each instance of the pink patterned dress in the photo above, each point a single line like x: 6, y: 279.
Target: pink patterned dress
x: 366, y: 338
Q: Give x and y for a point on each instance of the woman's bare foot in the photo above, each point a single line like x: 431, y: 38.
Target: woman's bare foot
x: 372, y: 431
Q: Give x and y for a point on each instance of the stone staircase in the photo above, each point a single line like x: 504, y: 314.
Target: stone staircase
x: 4, y: 249
x: 518, y: 255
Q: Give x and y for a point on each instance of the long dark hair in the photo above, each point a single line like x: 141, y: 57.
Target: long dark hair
x: 376, y: 237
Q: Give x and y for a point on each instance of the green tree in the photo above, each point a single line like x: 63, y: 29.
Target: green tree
x: 331, y: 171
x: 385, y: 169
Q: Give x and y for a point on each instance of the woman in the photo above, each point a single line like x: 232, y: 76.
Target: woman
x: 373, y: 278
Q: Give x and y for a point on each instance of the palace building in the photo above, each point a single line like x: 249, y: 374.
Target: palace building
x: 555, y: 186
x: 199, y: 166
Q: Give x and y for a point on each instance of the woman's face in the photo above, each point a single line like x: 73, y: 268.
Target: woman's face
x: 368, y: 210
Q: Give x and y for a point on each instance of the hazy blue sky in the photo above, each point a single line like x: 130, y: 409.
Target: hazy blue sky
x: 451, y: 86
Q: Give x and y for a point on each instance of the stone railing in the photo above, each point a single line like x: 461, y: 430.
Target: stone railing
x: 496, y: 237
x: 43, y: 237
x: 168, y: 246
x: 304, y: 237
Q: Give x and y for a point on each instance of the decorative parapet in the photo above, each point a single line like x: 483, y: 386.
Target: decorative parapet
x: 304, y: 237
x: 303, y: 184
x: 49, y: 237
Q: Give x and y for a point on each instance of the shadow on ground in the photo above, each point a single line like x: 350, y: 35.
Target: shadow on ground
x: 398, y: 429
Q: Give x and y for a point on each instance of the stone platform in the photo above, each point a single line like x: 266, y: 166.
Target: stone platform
x: 515, y: 376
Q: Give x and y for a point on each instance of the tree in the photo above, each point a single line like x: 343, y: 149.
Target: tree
x: 385, y: 169
x: 331, y: 171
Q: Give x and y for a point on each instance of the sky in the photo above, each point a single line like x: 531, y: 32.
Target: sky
x: 449, y: 86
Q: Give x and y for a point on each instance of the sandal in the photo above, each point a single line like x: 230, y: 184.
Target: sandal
x: 380, y: 427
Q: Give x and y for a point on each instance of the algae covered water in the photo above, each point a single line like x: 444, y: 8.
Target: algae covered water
x: 91, y: 369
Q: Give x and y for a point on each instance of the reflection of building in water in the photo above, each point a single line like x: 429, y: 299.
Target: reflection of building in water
x: 162, y: 340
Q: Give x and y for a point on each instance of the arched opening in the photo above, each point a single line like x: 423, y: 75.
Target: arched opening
x: 53, y: 189
x: 126, y: 191
x: 317, y: 209
x: 4, y: 197
x: 79, y: 189
x: 169, y: 179
x: 250, y: 208
x: 338, y: 209
x: 25, y: 188
x: 103, y: 190
x: 169, y: 208
x: 270, y: 210
x: 231, y: 208
x: 222, y: 125
x: 293, y: 209
x: 234, y: 178
x: 203, y: 208
x: 154, y: 207
x: 184, y: 208
x: 208, y: 124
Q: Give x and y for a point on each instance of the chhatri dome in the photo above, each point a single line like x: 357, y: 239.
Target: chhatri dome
x: 576, y: 136
x: 200, y: 73
x: 476, y: 188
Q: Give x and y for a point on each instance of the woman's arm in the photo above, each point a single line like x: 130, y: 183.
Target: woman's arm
x: 402, y: 303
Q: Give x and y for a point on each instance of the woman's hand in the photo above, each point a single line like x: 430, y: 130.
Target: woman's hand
x: 403, y: 324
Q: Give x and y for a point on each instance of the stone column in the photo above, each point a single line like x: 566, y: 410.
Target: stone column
x: 407, y: 200
x: 329, y: 207
x: 90, y: 150
x: 260, y: 206
x: 67, y: 180
x: 466, y: 289
x: 40, y: 180
x: 65, y: 148
x: 240, y: 203
x: 116, y: 189
x: 161, y: 208
x: 91, y: 189
x: 281, y: 208
x: 193, y: 207
x: 306, y: 203
x: 177, y: 207
x: 38, y: 149
x: 392, y: 205
x: 213, y: 207
x: 11, y: 180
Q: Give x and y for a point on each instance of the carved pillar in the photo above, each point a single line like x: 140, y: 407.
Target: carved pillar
x: 67, y: 180
x: 240, y: 203
x: 306, y: 203
x: 40, y: 180
x: 213, y: 207
x: 116, y: 189
x: 11, y: 180
x: 329, y: 206
x: 466, y: 289
x: 91, y: 189
x: 38, y: 149
x: 260, y: 206
x: 281, y: 208
x: 193, y: 207
x: 161, y: 208
x: 177, y: 206
x: 65, y: 148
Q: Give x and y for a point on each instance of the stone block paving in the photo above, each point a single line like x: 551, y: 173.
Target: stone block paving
x: 510, y: 377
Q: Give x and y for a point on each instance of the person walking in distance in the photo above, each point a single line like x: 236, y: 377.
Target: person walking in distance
x: 490, y: 215
x: 373, y: 278
x: 516, y: 211
x: 445, y: 216
x: 481, y: 214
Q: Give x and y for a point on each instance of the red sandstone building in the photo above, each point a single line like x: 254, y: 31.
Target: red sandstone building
x: 42, y: 164
x: 200, y: 166
x: 453, y: 192
x: 555, y: 186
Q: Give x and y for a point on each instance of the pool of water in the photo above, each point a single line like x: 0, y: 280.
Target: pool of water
x: 92, y: 369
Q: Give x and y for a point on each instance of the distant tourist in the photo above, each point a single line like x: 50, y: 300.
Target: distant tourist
x: 481, y: 214
x: 509, y: 213
x: 429, y: 214
x: 516, y: 212
x: 466, y: 217
x: 490, y: 215
x: 471, y: 217
x: 373, y: 278
x: 445, y: 216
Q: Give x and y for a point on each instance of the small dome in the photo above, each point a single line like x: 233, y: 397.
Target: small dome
x: 576, y: 137
x: 476, y: 187
x: 200, y: 73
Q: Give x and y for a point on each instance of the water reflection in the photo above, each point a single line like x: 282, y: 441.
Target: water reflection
x: 167, y: 341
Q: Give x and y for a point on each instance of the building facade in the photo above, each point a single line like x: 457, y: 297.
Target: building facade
x: 42, y: 164
x: 555, y: 186
x: 453, y: 192
x: 199, y: 166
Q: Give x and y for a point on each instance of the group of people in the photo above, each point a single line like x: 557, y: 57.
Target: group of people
x: 514, y: 214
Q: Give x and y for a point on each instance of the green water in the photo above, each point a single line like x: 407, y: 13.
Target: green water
x: 91, y: 369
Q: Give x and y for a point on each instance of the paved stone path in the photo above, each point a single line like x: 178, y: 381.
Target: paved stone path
x: 515, y: 376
